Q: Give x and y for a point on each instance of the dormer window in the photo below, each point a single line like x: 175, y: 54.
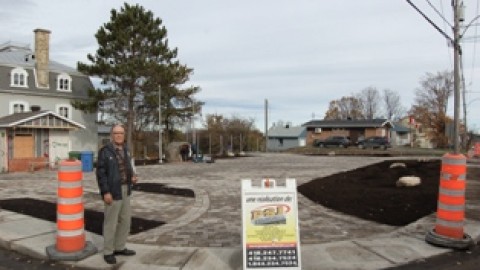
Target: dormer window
x: 18, y: 77
x: 64, y: 82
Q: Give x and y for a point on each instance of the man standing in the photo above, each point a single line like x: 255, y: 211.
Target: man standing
x: 115, y: 176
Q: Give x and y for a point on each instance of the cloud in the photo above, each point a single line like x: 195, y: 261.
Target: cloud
x: 299, y: 55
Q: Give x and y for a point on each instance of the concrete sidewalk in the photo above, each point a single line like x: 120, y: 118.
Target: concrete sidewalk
x: 30, y: 236
x: 329, y: 240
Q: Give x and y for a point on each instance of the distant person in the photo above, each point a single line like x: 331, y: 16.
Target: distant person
x: 184, y: 152
x: 115, y: 176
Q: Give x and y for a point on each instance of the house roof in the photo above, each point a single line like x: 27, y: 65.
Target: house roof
x: 23, y: 58
x: 361, y: 123
x: 284, y: 132
x: 18, y: 56
x: 398, y: 127
x: 38, y: 119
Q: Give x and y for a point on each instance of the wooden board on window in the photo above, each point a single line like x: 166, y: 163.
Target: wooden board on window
x: 23, y: 146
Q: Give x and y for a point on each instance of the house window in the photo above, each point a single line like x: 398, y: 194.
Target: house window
x: 17, y: 107
x: 318, y: 130
x: 18, y: 77
x: 64, y: 82
x: 64, y: 110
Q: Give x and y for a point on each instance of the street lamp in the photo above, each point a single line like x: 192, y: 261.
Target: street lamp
x: 160, y: 150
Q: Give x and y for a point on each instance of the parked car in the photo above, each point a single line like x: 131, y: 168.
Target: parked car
x: 338, y: 141
x: 360, y: 139
x: 375, y: 142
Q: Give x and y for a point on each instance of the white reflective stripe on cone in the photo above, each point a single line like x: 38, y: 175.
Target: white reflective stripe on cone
x: 451, y: 207
x: 454, y: 161
x: 63, y: 233
x: 447, y: 176
x: 64, y: 168
x: 453, y: 192
x: 69, y: 200
x: 69, y: 217
x: 451, y: 224
x: 74, y: 184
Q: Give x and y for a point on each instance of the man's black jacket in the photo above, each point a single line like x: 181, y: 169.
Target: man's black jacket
x: 108, y: 171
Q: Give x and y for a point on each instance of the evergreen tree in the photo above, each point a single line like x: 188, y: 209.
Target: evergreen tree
x: 133, y: 62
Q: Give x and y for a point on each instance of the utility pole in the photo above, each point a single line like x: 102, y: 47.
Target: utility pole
x: 457, y: 5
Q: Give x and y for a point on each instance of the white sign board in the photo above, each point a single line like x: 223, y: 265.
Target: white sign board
x: 58, y: 145
x: 271, y: 239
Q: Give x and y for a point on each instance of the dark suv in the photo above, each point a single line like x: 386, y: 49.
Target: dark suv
x: 375, y: 142
x: 338, y: 141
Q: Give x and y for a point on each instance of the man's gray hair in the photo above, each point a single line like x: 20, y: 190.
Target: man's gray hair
x: 116, y: 125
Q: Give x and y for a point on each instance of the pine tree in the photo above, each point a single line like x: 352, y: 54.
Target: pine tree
x: 133, y: 61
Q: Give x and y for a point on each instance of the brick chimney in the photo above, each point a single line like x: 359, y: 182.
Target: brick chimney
x: 42, y: 46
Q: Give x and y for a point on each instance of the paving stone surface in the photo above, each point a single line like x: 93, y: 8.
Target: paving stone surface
x: 213, y: 217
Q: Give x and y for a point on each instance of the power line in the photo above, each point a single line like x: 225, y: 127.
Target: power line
x: 444, y: 29
x: 431, y: 22
x: 438, y: 13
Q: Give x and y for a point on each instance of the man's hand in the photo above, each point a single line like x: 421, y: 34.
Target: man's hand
x: 134, y: 179
x: 107, y: 198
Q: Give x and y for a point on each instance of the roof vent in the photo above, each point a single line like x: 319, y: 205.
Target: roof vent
x: 35, y: 108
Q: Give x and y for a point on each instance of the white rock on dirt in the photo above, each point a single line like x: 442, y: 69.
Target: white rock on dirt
x: 408, y: 181
x: 397, y: 165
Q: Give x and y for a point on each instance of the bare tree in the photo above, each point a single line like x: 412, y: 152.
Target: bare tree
x: 392, y: 105
x: 241, y: 130
x: 369, y: 98
x: 344, y: 108
x: 431, y: 102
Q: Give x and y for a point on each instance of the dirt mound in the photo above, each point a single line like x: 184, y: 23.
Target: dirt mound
x: 371, y: 192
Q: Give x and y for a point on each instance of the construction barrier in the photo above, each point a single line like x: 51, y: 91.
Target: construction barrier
x: 71, y: 242
x: 448, y: 231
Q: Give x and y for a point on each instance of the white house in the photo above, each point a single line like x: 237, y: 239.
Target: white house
x: 35, y: 106
x: 282, y: 137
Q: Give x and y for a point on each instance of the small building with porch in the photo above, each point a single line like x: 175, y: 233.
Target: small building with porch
x: 35, y: 139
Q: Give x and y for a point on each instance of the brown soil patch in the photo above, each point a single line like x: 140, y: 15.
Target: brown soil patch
x: 371, y: 193
x: 93, y: 219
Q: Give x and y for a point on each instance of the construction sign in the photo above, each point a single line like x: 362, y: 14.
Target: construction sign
x: 271, y: 238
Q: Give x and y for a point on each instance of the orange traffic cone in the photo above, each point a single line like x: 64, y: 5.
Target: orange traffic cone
x: 448, y: 231
x: 70, y: 240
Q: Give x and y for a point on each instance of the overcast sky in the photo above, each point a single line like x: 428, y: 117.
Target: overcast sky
x: 298, y: 54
